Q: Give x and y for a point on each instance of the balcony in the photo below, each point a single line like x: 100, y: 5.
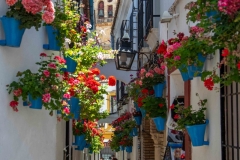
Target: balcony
x: 105, y: 20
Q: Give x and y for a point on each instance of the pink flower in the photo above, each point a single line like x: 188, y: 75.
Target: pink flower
x: 151, y: 71
x: 148, y: 74
x: 11, y: 2
x: 48, y: 17
x: 46, y: 98
x: 163, y: 67
x: 52, y: 65
x: 43, y: 55
x: 176, y: 46
x: 57, y: 74
x: 60, y: 59
x: 170, y: 49
x: 66, y: 110
x: 142, y: 71
x: 177, y: 58
x: 46, y: 73
x: 17, y: 92
x: 158, y: 70
x: 67, y: 96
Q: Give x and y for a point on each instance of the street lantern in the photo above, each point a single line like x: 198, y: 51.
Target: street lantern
x: 125, y: 56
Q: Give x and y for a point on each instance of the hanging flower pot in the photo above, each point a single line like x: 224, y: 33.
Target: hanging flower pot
x: 195, y: 71
x: 13, y: 35
x: 134, y: 132
x: 75, y: 107
x: 212, y: 14
x: 129, y: 149
x: 160, y: 123
x: 52, y: 41
x: 87, y: 145
x: 25, y: 103
x: 136, y: 106
x: 196, y: 133
x: 184, y: 74
x: 158, y: 89
x: 122, y: 148
x: 143, y: 111
x: 79, y: 139
x: 35, y: 103
x: 71, y: 64
x: 138, y: 120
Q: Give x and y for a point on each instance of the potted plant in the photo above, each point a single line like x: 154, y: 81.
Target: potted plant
x: 154, y: 78
x: 193, y: 121
x: 137, y: 116
x: 157, y: 110
x: 130, y: 127
x: 41, y: 88
x: 22, y: 15
x: 127, y: 142
x: 79, y: 132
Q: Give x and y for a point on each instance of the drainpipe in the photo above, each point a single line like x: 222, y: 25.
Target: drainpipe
x: 91, y: 13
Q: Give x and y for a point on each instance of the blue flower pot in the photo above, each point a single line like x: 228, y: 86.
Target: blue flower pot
x: 59, y: 112
x: 134, y: 132
x: 213, y: 14
x: 79, y: 140
x: 158, y: 89
x: 87, y: 145
x: 52, y: 41
x: 13, y: 35
x: 129, y: 149
x: 122, y: 148
x: 75, y: 107
x: 136, y: 106
x: 25, y: 103
x: 71, y: 65
x: 195, y: 71
x: 138, y: 120
x: 143, y: 111
x: 196, y: 133
x: 174, y: 145
x: 35, y: 103
x: 184, y: 74
x: 160, y: 123
x: 90, y: 151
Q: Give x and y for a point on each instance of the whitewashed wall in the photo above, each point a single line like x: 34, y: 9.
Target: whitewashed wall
x: 29, y: 134
x: 213, y: 133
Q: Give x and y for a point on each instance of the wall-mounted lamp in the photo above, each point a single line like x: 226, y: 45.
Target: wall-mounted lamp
x: 125, y: 56
x: 166, y: 17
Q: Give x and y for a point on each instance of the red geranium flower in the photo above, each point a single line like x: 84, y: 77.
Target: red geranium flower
x: 102, y: 77
x: 225, y: 52
x: 43, y: 55
x: 96, y: 71
x: 111, y: 81
x: 172, y: 106
x: 144, y: 91
x: 162, y: 48
x: 208, y: 83
x: 238, y: 65
x: 13, y: 103
x: 176, y: 116
x: 160, y: 105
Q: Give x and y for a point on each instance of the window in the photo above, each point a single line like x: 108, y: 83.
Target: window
x: 101, y: 9
x: 110, y: 11
x: 109, y: 0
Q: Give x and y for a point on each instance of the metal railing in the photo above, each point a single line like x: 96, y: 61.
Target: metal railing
x: 104, y: 20
x: 140, y: 24
x: 230, y: 96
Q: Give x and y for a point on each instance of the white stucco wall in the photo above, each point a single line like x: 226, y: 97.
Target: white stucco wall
x: 213, y: 133
x: 29, y: 134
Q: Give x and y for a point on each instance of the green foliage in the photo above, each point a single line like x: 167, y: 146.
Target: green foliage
x: 27, y: 20
x: 133, y: 90
x: 155, y: 107
x: 186, y: 116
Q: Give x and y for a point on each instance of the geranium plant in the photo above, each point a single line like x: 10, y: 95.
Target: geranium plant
x: 45, y: 83
x: 152, y: 76
x: 186, y: 116
x: 31, y: 12
x: 155, y: 107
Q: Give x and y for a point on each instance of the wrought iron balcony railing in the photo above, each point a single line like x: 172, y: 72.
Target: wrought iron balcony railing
x: 104, y: 20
